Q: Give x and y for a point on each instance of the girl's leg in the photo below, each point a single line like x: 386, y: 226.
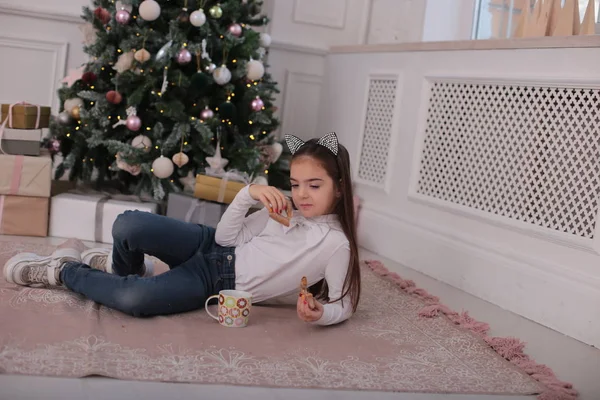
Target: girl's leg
x: 181, y: 289
x: 136, y: 233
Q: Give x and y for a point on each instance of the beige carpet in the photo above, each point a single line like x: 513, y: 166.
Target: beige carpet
x: 385, y: 346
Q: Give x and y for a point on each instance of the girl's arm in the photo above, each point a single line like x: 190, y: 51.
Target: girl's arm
x: 335, y: 274
x: 235, y: 228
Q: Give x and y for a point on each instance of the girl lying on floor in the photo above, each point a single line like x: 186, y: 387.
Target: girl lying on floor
x: 256, y: 254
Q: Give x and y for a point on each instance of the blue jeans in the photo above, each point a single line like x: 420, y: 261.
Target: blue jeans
x: 198, y: 266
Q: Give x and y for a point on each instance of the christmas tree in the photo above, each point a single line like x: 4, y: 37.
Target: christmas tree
x: 168, y: 83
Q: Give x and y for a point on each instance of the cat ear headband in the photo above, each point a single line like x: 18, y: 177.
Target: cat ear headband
x: 330, y: 141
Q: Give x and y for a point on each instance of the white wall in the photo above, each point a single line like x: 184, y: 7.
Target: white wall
x: 303, y: 31
x: 541, y: 273
x: 38, y: 43
x: 448, y: 20
x: 43, y: 41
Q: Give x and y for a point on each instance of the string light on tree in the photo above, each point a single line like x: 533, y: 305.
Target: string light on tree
x: 136, y: 51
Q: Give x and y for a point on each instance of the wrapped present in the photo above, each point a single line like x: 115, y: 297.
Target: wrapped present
x: 21, y: 141
x: 189, y: 209
x: 24, y: 216
x: 90, y: 216
x: 219, y: 189
x: 24, y: 116
x: 25, y: 176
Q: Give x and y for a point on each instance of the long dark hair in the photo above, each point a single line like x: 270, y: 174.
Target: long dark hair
x: 338, y: 169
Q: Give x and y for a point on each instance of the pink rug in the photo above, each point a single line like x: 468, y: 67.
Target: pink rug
x: 395, y: 342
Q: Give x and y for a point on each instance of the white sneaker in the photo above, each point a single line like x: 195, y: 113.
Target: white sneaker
x: 101, y: 258
x: 29, y: 269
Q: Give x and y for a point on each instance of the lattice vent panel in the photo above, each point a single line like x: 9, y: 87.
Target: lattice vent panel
x: 529, y: 153
x: 377, y: 130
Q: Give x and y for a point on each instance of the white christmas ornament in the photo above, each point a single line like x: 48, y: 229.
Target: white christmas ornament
x: 265, y: 39
x: 188, y: 182
x: 198, y: 18
x: 216, y: 162
x: 276, y: 149
x: 222, y: 75
x: 149, y: 10
x: 142, y: 142
x: 162, y: 167
x: 255, y: 70
x: 70, y: 104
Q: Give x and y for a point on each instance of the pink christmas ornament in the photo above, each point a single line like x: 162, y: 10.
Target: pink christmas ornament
x: 55, y: 145
x: 134, y: 123
x: 257, y: 104
x: 123, y: 17
x: 235, y: 29
x: 207, y: 113
x: 184, y: 56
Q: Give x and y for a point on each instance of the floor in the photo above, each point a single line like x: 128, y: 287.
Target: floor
x: 571, y: 360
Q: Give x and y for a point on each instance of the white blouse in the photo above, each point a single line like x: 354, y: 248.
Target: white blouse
x: 271, y: 258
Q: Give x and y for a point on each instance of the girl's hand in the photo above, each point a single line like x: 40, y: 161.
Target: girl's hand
x: 305, y: 312
x: 271, y: 197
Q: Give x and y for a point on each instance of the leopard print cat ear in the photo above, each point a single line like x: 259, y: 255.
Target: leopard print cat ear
x: 293, y: 143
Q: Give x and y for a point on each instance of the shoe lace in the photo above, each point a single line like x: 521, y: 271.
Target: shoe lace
x: 99, y: 262
x: 36, y: 274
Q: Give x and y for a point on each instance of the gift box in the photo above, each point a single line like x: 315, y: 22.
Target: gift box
x: 25, y: 176
x: 186, y: 208
x: 21, y: 141
x: 24, y: 216
x: 216, y: 189
x: 25, y: 116
x: 90, y: 216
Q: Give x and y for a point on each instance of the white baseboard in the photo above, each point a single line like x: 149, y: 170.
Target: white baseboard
x: 550, y: 295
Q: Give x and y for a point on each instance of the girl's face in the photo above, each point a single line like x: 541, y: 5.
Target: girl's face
x: 313, y: 190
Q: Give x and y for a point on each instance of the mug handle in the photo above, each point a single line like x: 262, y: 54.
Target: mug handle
x: 216, y: 296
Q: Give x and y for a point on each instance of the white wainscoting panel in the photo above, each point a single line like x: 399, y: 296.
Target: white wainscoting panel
x: 524, y: 154
x: 330, y: 14
x: 379, y: 127
x: 494, y: 184
x: 301, y: 105
x: 31, y: 70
